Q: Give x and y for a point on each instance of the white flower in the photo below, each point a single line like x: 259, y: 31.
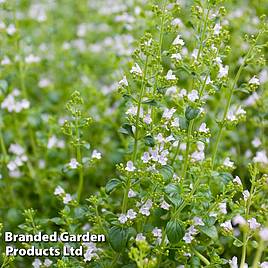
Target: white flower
x: 91, y: 252
x: 16, y: 149
x: 130, y: 166
x: 246, y: 195
x: 170, y: 75
x: 146, y: 157
x: 256, y: 142
x: 217, y: 29
x: 198, y: 156
x: 251, y: 100
x: 73, y: 164
x: 5, y: 61
x: 59, y: 190
x: 175, y: 122
x: 122, y: 218
x: 165, y: 205
x: 67, y: 198
x: 222, y: 207
x: 237, y: 180
x: 189, y: 235
x: 47, y: 262
x: 228, y: 163
x: 233, y: 262
x: 32, y: 59
x: 96, y: 154
x: 44, y: 82
x: 203, y: 128
x: 254, y: 81
x: 227, y: 225
x: 176, y: 56
x: 168, y: 113
x: 261, y: 157
x: 264, y: 234
x: 140, y: 237
x: 264, y: 264
x: 37, y: 263
x: 193, y: 95
x: 123, y: 82
x: 253, y: 224
x: 136, y: 69
x: 131, y: 214
x: 11, y: 29
x: 238, y: 219
x: 198, y: 221
x: 223, y: 72
x: 131, y: 193
x: 147, y: 119
x: 145, y: 209
x: 178, y: 41
x: 157, y: 232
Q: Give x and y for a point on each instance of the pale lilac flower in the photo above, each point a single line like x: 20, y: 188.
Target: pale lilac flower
x: 233, y: 262
x: 198, y: 156
x: 131, y: 193
x: 96, y: 154
x: 130, y: 166
x: 59, y: 190
x: 203, y: 128
x: 136, y: 69
x: 67, y: 198
x: 228, y: 163
x: 37, y: 263
x: 237, y: 180
x: 223, y: 72
x: 261, y: 157
x: 238, y: 219
x: 254, y: 81
x: 264, y: 234
x: 73, y: 164
x: 168, y: 113
x: 47, y: 262
x: 223, y: 208
x: 32, y: 59
x: 165, y: 205
x: 131, y: 214
x: 170, y: 75
x: 140, y: 237
x: 198, y: 221
x: 253, y: 224
x: 178, y: 41
x: 146, y: 157
x: 145, y: 209
x: 193, y: 95
x: 256, y: 142
x: 175, y: 122
x: 217, y: 29
x: 123, y: 82
x: 11, y: 29
x: 147, y: 119
x: 157, y: 232
x: 264, y: 264
x: 189, y: 235
x: 227, y: 225
x: 176, y: 56
x: 91, y: 252
x: 246, y: 195
x: 122, y: 218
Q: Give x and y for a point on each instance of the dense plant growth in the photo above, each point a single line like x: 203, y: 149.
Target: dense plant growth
x: 145, y: 121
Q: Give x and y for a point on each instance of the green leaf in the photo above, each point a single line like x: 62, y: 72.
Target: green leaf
x: 117, y: 237
x: 191, y: 113
x: 57, y: 220
x: 3, y: 85
x: 167, y: 172
x: 111, y: 185
x: 175, y: 231
x: 210, y: 231
x: 150, y: 102
x: 238, y: 243
x: 126, y: 129
x: 149, y: 141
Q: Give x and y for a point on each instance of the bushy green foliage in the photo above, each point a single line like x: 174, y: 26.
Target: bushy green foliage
x: 145, y: 121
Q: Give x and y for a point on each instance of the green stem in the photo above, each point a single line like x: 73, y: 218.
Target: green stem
x: 79, y: 160
x: 186, y: 157
x: 2, y: 143
x: 201, y: 257
x: 226, y: 109
x: 136, y: 137
x: 117, y: 255
x: 258, y: 255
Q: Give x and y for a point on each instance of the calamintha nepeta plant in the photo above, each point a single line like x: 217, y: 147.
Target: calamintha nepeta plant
x: 185, y: 187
